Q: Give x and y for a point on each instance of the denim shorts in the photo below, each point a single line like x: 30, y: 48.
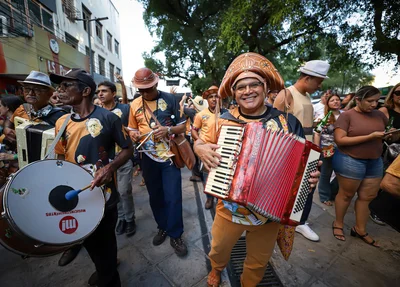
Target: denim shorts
x: 354, y: 168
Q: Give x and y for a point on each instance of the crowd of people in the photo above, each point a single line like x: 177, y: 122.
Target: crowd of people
x: 110, y: 138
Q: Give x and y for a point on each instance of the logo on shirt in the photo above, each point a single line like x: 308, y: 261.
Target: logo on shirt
x: 118, y: 112
x: 162, y: 105
x: 68, y: 224
x: 94, y: 127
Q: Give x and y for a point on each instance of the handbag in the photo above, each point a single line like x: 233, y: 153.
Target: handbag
x: 391, y: 152
x: 179, y: 146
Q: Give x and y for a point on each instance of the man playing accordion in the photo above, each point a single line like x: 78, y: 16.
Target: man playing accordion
x: 247, y: 79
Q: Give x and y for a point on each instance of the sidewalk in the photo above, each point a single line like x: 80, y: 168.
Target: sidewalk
x: 142, y: 264
x: 331, y: 262
x: 325, y: 263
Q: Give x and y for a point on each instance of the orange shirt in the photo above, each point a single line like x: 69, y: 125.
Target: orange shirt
x: 205, y: 123
x: 20, y: 112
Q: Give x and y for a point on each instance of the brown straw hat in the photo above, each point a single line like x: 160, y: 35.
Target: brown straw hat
x: 250, y: 63
x: 211, y: 90
x: 144, y: 78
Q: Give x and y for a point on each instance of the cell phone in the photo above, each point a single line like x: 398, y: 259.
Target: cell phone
x: 392, y: 132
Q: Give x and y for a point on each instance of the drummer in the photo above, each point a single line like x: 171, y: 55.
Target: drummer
x: 93, y: 146
x: 37, y: 90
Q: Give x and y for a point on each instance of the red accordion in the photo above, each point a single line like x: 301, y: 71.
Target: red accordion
x: 266, y: 171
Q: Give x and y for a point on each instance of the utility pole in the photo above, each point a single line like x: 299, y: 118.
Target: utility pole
x: 88, y: 20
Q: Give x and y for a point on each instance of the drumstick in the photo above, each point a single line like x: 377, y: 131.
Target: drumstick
x: 72, y: 193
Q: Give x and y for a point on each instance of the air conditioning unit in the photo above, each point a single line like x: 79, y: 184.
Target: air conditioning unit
x: 3, y: 26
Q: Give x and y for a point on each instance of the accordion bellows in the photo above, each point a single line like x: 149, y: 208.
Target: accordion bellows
x: 264, y: 170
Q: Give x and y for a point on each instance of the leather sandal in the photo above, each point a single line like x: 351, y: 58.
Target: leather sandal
x: 214, y: 278
x: 354, y: 233
x: 338, y: 236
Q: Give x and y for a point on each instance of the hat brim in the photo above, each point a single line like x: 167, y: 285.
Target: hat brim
x: 311, y: 73
x: 200, y: 107
x: 58, y: 78
x: 209, y: 92
x: 148, y: 85
x: 35, y: 83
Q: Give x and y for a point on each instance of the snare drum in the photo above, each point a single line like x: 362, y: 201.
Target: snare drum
x: 35, y: 217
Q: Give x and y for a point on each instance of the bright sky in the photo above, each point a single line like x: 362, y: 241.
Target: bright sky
x: 136, y: 39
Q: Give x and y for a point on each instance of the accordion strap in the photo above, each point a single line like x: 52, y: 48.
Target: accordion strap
x: 58, y: 136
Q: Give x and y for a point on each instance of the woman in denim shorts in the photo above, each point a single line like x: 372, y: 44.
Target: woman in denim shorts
x: 357, y: 162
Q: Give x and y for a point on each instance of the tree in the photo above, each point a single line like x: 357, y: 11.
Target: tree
x: 201, y: 38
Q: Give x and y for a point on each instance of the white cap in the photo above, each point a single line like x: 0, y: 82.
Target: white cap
x: 316, y: 68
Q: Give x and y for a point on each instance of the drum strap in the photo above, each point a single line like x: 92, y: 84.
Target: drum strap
x: 58, y: 136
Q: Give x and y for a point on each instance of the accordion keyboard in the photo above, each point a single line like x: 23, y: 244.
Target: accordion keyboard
x: 220, y: 179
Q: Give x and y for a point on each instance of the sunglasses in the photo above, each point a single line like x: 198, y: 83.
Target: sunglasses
x: 396, y: 93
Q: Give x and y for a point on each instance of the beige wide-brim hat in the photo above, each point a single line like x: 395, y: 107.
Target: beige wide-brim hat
x: 37, y: 78
x: 199, y: 103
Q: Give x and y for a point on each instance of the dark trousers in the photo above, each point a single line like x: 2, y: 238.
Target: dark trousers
x: 196, y: 169
x: 164, y: 184
x: 307, y: 208
x: 102, y: 248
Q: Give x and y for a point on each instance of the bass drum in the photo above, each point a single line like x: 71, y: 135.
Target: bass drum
x: 35, y: 218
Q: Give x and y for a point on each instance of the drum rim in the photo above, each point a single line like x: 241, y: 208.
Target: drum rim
x: 14, y: 226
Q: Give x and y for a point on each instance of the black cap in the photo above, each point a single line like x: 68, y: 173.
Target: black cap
x: 76, y: 74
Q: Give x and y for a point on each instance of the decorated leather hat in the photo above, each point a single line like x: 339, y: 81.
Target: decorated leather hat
x: 211, y: 90
x: 251, y: 63
x: 144, y: 78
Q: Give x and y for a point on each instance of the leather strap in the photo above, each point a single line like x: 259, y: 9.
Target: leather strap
x: 58, y: 136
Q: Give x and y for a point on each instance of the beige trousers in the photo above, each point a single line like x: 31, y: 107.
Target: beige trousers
x: 260, y: 242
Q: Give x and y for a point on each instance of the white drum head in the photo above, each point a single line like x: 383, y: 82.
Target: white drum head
x: 26, y: 201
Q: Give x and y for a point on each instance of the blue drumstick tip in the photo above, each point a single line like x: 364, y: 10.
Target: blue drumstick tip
x: 71, y: 194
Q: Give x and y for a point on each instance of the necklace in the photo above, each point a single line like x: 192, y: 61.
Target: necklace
x: 150, y: 121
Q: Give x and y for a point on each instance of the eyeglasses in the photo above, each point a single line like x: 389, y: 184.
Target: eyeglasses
x: 252, y: 86
x: 142, y: 91
x: 396, y: 93
x: 34, y: 89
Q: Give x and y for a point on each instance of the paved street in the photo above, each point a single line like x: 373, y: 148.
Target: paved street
x: 326, y: 263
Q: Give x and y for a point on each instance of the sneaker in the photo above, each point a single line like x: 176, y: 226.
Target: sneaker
x: 179, y: 245
x: 160, y: 237
x: 307, y: 232
x: 69, y: 255
x: 130, y: 228
x: 376, y: 219
x: 209, y: 203
x: 121, y: 227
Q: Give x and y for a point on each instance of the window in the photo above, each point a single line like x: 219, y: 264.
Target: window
x: 86, y: 15
x: 71, y: 40
x: 118, y: 71
x: 99, y: 32
x: 34, y: 13
x: 68, y: 7
x: 102, y: 66
x: 47, y: 20
x: 111, y: 72
x: 116, y: 47
x: 18, y: 4
x: 109, y: 41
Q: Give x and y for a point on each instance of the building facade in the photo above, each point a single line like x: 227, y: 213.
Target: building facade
x: 52, y: 36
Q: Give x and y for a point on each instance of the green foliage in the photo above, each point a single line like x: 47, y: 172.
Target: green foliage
x: 200, y: 38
